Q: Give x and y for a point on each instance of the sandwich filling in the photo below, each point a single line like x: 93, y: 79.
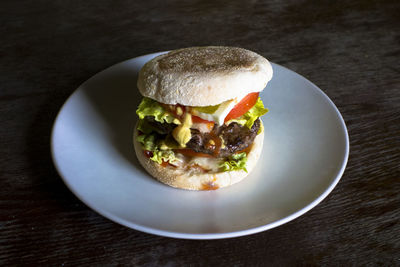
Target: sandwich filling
x: 207, y: 139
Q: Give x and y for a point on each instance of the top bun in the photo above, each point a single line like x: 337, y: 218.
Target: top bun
x: 203, y: 76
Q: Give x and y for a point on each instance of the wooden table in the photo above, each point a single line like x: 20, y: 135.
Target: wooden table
x: 350, y: 49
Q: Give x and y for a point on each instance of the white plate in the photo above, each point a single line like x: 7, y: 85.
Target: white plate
x: 305, y: 153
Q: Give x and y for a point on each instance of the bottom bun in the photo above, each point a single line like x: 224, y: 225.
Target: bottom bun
x: 180, y: 178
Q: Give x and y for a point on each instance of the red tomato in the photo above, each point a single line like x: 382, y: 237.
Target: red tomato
x: 191, y: 153
x: 210, y: 124
x: 243, y: 106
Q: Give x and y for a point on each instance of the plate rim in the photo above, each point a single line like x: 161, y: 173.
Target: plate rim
x: 203, y: 236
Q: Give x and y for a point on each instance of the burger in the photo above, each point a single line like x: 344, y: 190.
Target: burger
x: 199, y: 125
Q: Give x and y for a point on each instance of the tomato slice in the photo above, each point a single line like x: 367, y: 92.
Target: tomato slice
x: 191, y: 153
x: 209, y: 124
x: 243, y: 106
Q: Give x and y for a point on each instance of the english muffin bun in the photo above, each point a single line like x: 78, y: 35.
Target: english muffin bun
x: 181, y: 178
x: 203, y: 76
x: 199, y: 124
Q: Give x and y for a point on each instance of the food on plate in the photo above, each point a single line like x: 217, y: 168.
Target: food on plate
x: 199, y: 124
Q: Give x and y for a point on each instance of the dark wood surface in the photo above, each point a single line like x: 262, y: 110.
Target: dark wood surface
x: 350, y: 49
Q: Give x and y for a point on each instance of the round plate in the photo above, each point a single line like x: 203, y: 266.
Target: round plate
x: 305, y: 152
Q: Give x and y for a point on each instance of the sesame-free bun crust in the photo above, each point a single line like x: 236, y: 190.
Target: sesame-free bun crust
x: 203, y: 76
x: 206, y: 181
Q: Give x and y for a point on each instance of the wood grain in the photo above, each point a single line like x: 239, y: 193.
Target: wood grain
x: 350, y: 49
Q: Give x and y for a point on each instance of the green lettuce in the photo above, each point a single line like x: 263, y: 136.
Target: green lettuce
x: 150, y: 107
x: 207, y: 109
x: 163, y: 155
x: 234, y: 163
x: 145, y: 127
x: 150, y: 142
x: 251, y: 116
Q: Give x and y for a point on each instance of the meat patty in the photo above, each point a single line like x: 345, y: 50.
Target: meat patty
x: 235, y: 137
x: 161, y: 128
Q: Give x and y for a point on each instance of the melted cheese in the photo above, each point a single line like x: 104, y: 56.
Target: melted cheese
x: 210, y: 164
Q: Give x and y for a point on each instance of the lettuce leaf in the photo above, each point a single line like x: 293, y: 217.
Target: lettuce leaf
x: 150, y: 107
x: 150, y: 142
x: 163, y: 155
x: 207, y: 109
x: 251, y: 116
x: 234, y: 163
x: 145, y: 127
